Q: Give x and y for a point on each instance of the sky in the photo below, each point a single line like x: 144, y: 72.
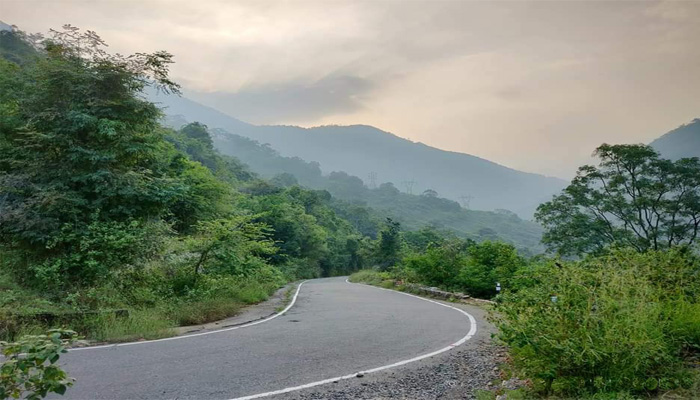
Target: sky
x: 531, y: 85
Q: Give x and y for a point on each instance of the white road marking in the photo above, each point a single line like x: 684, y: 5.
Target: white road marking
x: 106, y: 346
x: 469, y: 335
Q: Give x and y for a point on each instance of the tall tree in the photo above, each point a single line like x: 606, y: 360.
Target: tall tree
x: 389, y: 244
x: 79, y: 146
x: 633, y: 198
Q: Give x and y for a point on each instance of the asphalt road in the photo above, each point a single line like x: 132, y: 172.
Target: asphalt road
x: 333, y: 329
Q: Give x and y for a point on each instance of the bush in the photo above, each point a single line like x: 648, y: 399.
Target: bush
x: 488, y: 263
x: 438, y: 266
x: 30, y: 365
x: 605, y: 325
x: 371, y: 277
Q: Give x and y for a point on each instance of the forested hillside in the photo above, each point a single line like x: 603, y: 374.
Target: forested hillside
x: 413, y: 211
x: 378, y: 156
x: 101, y: 208
x: 683, y: 141
x: 122, y: 223
x: 616, y: 314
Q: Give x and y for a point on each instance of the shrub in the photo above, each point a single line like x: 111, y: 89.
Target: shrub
x: 30, y: 366
x: 439, y: 265
x: 139, y: 324
x: 612, y: 326
x: 488, y: 263
x: 370, y: 277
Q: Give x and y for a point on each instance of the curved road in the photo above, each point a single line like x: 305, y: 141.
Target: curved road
x: 334, y: 329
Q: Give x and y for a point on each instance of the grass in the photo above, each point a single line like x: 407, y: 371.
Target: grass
x: 203, y: 311
x: 140, y: 324
x: 519, y: 394
x: 372, y: 277
x: 18, y: 308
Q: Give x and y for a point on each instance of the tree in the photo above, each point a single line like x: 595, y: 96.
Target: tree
x: 198, y: 131
x: 633, y: 198
x: 438, y: 265
x: 284, y: 179
x: 230, y: 246
x: 389, y: 244
x: 79, y: 145
x: 489, y: 263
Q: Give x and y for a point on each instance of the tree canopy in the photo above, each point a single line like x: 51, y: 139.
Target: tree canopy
x: 633, y: 198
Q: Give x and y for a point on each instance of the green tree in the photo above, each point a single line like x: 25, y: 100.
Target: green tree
x: 199, y: 132
x: 79, y: 145
x: 389, y: 249
x: 488, y: 263
x: 230, y: 246
x: 439, y: 265
x: 633, y: 198
x: 203, y: 198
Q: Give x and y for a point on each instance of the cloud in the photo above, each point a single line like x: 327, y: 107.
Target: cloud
x: 533, y: 85
x: 291, y: 102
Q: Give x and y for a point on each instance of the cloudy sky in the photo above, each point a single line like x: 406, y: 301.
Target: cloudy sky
x: 531, y: 85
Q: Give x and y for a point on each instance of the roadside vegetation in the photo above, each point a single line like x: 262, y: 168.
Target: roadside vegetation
x: 121, y: 229
x: 614, y: 310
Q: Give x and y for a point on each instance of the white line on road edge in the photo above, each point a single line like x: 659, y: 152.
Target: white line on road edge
x: 106, y: 346
x: 469, y: 335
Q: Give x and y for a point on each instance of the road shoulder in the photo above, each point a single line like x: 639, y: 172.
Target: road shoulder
x: 251, y: 313
x: 456, y: 374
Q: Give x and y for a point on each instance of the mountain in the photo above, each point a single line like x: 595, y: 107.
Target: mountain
x: 681, y: 142
x: 412, y: 211
x: 378, y: 156
x: 13, y: 47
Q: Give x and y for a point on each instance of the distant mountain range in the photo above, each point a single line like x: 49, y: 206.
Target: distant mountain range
x: 681, y: 142
x: 377, y: 156
x: 411, y: 211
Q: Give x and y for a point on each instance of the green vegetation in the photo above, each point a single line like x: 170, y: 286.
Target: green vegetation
x: 122, y: 229
x: 634, y: 198
x: 30, y: 367
x: 620, y: 321
x: 438, y: 259
x: 352, y: 197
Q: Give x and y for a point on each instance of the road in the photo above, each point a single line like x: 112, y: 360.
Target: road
x: 333, y: 329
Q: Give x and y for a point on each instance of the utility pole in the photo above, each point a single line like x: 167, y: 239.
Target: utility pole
x: 372, y: 178
x: 409, y: 186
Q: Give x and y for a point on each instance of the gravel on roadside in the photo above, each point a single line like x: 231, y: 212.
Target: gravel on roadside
x: 457, y: 374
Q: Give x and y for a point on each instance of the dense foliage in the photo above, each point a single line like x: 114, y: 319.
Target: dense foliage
x: 620, y: 323
x: 634, y: 198
x: 103, y: 208
x: 30, y: 367
x: 437, y: 258
x: 413, y: 211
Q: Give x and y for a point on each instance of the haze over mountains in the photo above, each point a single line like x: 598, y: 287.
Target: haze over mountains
x: 377, y: 156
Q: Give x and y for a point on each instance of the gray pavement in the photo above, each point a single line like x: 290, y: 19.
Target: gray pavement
x: 333, y: 329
